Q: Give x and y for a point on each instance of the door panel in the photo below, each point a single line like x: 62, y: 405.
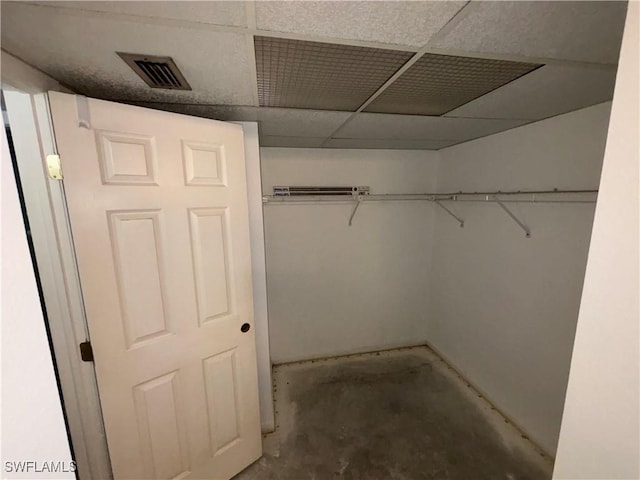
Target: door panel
x: 138, y: 254
x: 158, y: 209
x: 210, y: 246
x: 220, y: 370
x: 161, y: 426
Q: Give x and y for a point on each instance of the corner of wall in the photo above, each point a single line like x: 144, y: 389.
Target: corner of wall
x: 494, y: 292
x: 437, y: 218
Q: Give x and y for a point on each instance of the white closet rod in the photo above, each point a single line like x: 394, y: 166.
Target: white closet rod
x: 537, y: 196
x: 499, y: 198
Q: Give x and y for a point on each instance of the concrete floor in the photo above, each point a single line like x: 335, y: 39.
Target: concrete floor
x: 402, y: 414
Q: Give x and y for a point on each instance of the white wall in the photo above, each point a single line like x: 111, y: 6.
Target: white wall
x: 33, y: 427
x: 504, y: 307
x: 334, y: 289
x: 600, y: 425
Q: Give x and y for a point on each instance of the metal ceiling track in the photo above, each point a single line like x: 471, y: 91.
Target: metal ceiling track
x: 498, y: 198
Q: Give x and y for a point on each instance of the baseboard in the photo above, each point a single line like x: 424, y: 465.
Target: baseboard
x: 486, y: 396
x: 268, y: 427
x: 348, y: 353
x: 488, y: 399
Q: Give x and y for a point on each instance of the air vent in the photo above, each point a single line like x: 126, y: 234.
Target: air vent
x: 321, y: 76
x: 314, y: 191
x: 437, y: 84
x: 157, y: 72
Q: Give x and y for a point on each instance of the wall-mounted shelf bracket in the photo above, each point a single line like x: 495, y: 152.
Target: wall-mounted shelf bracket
x: 357, y: 199
x: 521, y: 224
x: 458, y: 219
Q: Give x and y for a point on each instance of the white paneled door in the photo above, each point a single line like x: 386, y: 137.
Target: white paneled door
x: 158, y: 211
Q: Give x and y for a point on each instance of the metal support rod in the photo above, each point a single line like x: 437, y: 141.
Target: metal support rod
x: 547, y: 196
x: 504, y: 200
x: 460, y: 221
x: 520, y: 192
x: 526, y: 229
x: 356, y: 204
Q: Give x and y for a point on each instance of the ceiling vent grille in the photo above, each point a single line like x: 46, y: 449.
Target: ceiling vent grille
x: 157, y: 72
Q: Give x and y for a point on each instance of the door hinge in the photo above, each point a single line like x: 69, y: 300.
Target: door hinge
x: 54, y: 166
x: 86, y: 352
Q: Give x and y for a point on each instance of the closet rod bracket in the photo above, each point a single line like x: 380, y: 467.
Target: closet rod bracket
x: 522, y: 225
x: 458, y: 219
x: 357, y: 199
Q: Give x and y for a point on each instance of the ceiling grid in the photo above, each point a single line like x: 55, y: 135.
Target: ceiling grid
x: 405, y: 67
x: 321, y: 76
x: 436, y: 84
x: 250, y: 12
x: 419, y: 74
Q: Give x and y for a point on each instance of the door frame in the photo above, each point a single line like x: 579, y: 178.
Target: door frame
x: 58, y: 274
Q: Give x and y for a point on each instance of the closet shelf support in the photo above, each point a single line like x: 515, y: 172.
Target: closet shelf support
x: 356, y: 203
x: 458, y: 219
x: 522, y: 225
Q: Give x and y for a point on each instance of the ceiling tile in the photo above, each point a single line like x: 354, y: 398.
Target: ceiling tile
x: 294, y: 142
x: 385, y: 143
x: 395, y: 22
x: 211, y: 12
x: 589, y: 31
x: 321, y: 76
x: 412, y: 127
x: 549, y: 91
x: 303, y: 123
x: 82, y: 55
x: 436, y: 84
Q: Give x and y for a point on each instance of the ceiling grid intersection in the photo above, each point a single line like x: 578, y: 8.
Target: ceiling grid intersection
x: 579, y: 62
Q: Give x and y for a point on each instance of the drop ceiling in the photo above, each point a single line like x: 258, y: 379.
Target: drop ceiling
x: 324, y: 76
x: 348, y: 74
x: 436, y: 84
